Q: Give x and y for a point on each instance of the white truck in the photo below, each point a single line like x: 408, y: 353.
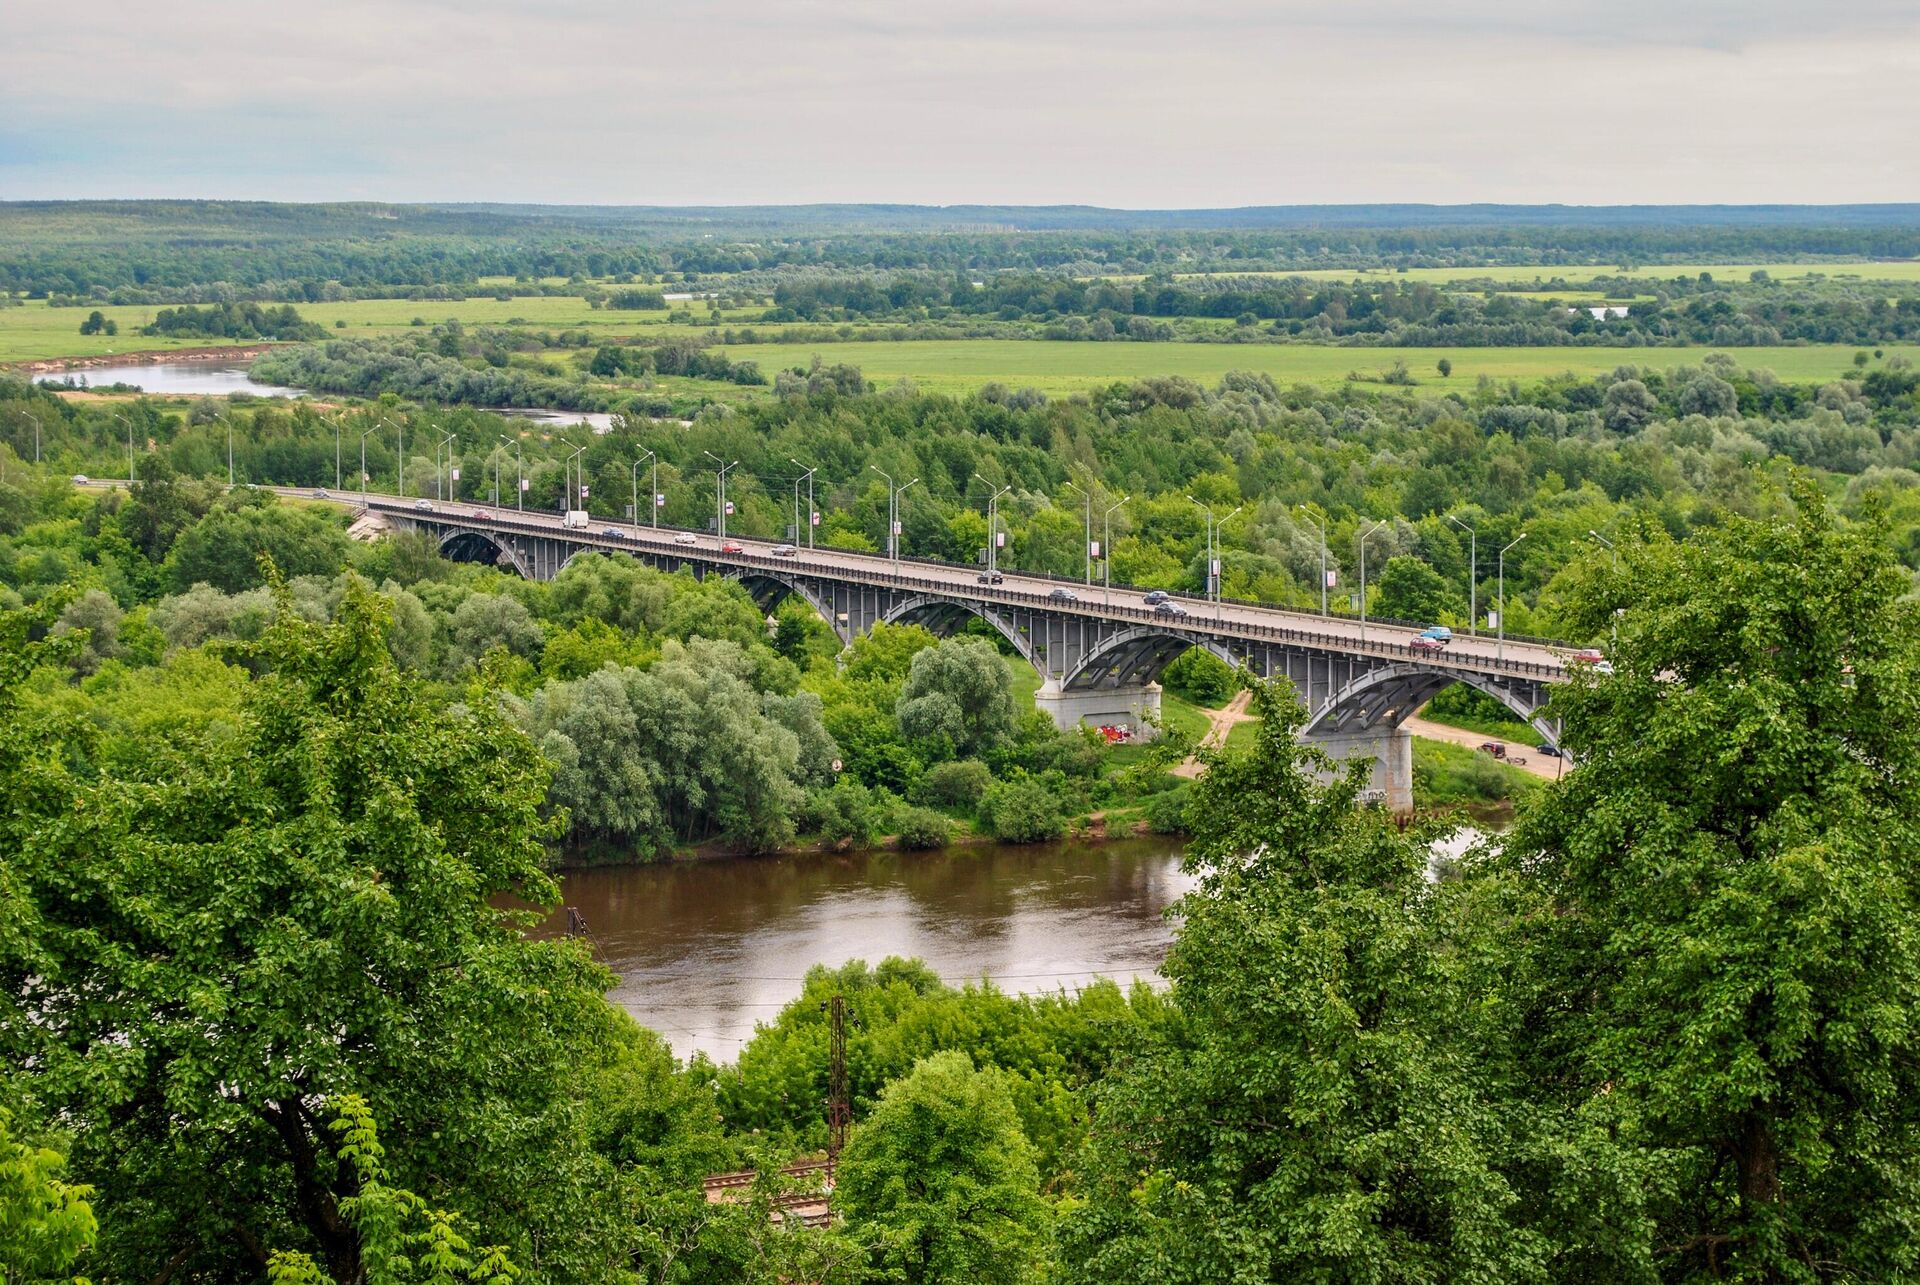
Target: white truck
x: 574, y: 518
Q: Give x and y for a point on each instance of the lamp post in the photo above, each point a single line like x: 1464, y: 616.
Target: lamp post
x: 1106, y: 551
x: 1473, y: 574
x: 1213, y: 573
x: 336, y: 452
x: 812, y: 513
x: 574, y: 496
x: 129, y: 423
x: 720, y: 493
x: 228, y: 424
x: 437, y: 448
x: 1500, y: 647
x: 1089, y: 545
x: 519, y: 472
x: 400, y: 456
x: 363, y: 460
x: 1363, y: 576
x: 893, y: 511
x: 1320, y: 525
x: 1614, y: 635
x: 993, y: 525
x: 35, y: 421
x: 653, y: 500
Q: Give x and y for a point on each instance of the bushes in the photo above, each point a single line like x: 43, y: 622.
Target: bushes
x: 846, y: 816
x: 1200, y: 676
x: 1023, y: 811
x: 959, y: 784
x: 1167, y: 811
x: 921, y: 829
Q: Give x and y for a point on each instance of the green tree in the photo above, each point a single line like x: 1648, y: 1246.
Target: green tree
x: 226, y: 932
x: 958, y: 694
x: 1411, y: 590
x: 1729, y: 950
x: 942, y: 1169
x: 224, y: 548
x: 45, y: 1223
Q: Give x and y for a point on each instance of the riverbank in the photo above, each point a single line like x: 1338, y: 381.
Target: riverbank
x: 153, y: 357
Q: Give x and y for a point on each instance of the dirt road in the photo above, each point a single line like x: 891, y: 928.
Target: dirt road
x: 1219, y: 722
x: 1536, y: 762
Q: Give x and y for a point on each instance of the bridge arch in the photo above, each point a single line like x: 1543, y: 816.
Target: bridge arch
x: 1135, y: 656
x: 944, y: 617
x: 469, y: 545
x: 767, y: 589
x: 1391, y: 693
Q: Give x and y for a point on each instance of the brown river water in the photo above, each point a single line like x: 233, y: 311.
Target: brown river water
x: 705, y: 950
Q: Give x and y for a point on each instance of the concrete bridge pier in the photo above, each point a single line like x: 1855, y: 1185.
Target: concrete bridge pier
x: 1127, y: 706
x: 1390, y: 748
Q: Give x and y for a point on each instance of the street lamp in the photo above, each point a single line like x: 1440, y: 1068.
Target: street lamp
x: 363, y: 459
x: 812, y: 513
x: 1500, y: 647
x: 437, y: 447
x: 893, y: 511
x: 720, y: 493
x: 336, y: 452
x: 1363, y: 575
x: 129, y: 423
x: 400, y: 458
x: 519, y: 472
x: 1320, y: 525
x: 35, y: 420
x: 1614, y: 636
x: 993, y: 525
x: 1089, y: 545
x: 229, y: 427
x: 1106, y: 551
x: 1213, y: 572
x: 573, y: 496
x: 1473, y: 574
x: 653, y: 501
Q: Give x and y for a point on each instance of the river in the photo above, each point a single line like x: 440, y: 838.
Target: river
x: 224, y: 378
x: 706, y: 949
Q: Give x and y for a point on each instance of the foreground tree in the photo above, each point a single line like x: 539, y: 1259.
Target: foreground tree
x: 1729, y: 960
x: 231, y: 929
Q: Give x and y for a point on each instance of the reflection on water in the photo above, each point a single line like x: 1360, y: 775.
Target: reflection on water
x: 174, y: 379
x: 707, y: 949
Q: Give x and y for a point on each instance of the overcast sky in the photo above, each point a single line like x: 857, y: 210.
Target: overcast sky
x: 1136, y: 103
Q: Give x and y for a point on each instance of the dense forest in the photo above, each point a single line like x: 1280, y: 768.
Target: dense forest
x: 265, y: 1013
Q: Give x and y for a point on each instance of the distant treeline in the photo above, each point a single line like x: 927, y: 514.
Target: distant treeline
x: 78, y: 249
x: 234, y: 321
x: 687, y: 359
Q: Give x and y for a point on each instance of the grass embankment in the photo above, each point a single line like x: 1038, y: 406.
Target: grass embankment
x: 1453, y: 776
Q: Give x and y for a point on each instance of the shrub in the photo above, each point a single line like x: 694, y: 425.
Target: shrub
x: 846, y: 816
x: 1023, y: 812
x: 922, y: 828
x: 1167, y: 811
x: 1201, y: 677
x: 958, y: 784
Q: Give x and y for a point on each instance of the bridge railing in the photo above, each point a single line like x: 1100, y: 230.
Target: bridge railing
x: 1190, y: 624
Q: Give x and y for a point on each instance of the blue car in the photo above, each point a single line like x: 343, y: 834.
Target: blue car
x: 1438, y: 633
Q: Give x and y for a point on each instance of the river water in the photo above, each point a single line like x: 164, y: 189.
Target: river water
x: 707, y: 949
x: 222, y: 378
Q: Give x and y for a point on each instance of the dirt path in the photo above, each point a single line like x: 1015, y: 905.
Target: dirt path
x: 1219, y: 722
x: 1536, y: 762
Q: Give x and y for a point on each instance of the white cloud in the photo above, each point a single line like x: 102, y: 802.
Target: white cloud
x: 1124, y: 102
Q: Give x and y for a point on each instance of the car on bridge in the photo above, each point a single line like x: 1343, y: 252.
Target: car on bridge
x: 425, y: 506
x: 613, y: 533
x: 318, y: 495
x: 685, y: 537
x: 79, y: 479
x: 1587, y: 656
x: 784, y: 551
x: 1437, y: 633
x: 1064, y: 595
x: 732, y: 546
x: 1423, y: 643
x: 1157, y: 596
x: 991, y: 577
x: 1169, y: 609
x: 483, y: 514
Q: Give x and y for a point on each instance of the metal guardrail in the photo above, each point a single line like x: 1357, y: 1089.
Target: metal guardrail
x: 627, y: 542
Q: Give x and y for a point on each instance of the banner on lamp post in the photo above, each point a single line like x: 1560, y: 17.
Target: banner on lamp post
x: 456, y: 472
x: 999, y: 539
x: 526, y: 483
x: 659, y: 500
x: 1333, y: 578
x: 816, y: 518
x: 729, y: 508
x: 1094, y: 549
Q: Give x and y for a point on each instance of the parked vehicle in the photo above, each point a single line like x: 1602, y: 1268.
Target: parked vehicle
x: 576, y: 519
x: 1499, y: 751
x: 685, y: 537
x: 991, y: 577
x: 1155, y: 597
x: 1551, y: 751
x: 784, y: 551
x: 1172, y: 610
x: 1437, y: 633
x: 1424, y: 643
x: 1064, y: 595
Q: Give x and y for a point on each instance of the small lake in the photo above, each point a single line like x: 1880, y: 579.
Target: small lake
x: 223, y: 378
x: 706, y: 949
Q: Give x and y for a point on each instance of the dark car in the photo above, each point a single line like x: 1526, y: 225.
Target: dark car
x: 1172, y: 610
x: 1064, y: 595
x: 991, y: 577
x: 1156, y: 597
x: 1551, y: 751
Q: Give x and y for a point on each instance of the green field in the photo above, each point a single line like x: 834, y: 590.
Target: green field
x: 1889, y: 270
x: 1061, y: 367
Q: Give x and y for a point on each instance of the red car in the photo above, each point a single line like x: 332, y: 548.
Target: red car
x: 1426, y: 644
x: 731, y: 546
x: 1586, y: 655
